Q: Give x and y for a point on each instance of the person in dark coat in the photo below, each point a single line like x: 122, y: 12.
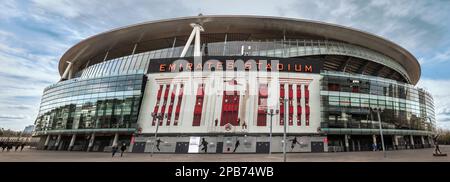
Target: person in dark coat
x: 17, y: 147
x: 158, y: 142
x: 114, y: 150
x: 22, y: 146
x: 122, y: 149
x: 294, y: 142
x: 10, y: 146
x: 236, y: 145
x: 205, y: 145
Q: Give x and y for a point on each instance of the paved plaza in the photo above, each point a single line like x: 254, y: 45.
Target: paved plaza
x: 418, y: 155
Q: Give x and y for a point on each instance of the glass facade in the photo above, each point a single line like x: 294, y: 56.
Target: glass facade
x: 137, y: 63
x: 134, y: 64
x: 347, y: 100
x: 104, y: 102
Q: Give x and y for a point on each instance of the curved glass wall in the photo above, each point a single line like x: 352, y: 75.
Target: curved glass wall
x: 105, y: 102
x: 347, y: 100
x: 277, y: 48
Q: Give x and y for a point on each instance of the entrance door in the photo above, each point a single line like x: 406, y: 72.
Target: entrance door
x: 262, y: 147
x: 230, y: 108
x: 182, y: 148
x: 139, y: 147
x: 317, y: 147
x: 219, y: 147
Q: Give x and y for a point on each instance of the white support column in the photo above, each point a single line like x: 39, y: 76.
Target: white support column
x: 72, y: 141
x: 134, y: 49
x: 69, y: 76
x: 91, y: 142
x: 67, y: 71
x: 197, y: 45
x: 58, y: 140
x: 347, y: 146
x: 46, y: 142
x: 115, y: 140
x: 188, y: 43
x: 106, y: 56
x: 396, y: 141
x: 412, y: 141
x: 195, y: 32
x: 423, y: 141
x: 374, y: 139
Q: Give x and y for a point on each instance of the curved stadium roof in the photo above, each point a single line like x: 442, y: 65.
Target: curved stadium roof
x: 262, y: 26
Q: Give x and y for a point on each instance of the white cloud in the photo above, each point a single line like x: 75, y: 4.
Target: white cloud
x: 9, y: 9
x: 5, y: 116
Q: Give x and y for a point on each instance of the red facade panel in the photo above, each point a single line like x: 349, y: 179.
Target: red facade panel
x: 198, y: 105
x: 230, y: 108
x: 262, y: 105
x: 178, y: 108
x: 158, y: 99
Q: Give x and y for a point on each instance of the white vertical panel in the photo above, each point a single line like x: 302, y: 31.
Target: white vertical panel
x: 302, y: 102
x: 294, y: 104
x: 175, y: 103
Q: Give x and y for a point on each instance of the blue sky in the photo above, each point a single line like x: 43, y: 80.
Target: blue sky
x: 35, y: 33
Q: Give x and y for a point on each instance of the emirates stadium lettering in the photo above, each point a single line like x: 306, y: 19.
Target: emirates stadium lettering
x: 235, y: 64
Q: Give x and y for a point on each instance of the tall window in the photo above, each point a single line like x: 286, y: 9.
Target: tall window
x: 262, y: 105
x: 172, y: 100
x: 299, y: 105
x: 281, y: 104
x: 307, y: 104
x: 291, y: 107
x: 164, y: 105
x: 177, y: 110
x: 198, y: 105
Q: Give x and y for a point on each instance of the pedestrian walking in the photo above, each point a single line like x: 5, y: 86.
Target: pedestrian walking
x: 114, y: 150
x: 205, y: 145
x: 374, y: 147
x: 9, y: 147
x: 436, y: 145
x: 294, y: 142
x: 158, y: 142
x: 17, y: 147
x: 122, y: 149
x: 244, y: 125
x: 236, y: 145
x: 22, y: 146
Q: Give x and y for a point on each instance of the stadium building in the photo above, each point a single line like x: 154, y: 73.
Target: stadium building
x: 166, y: 85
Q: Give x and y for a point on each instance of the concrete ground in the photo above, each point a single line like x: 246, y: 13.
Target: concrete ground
x: 418, y: 155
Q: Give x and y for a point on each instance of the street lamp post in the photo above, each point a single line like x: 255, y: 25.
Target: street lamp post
x: 271, y: 113
x: 284, y: 133
x: 158, y: 116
